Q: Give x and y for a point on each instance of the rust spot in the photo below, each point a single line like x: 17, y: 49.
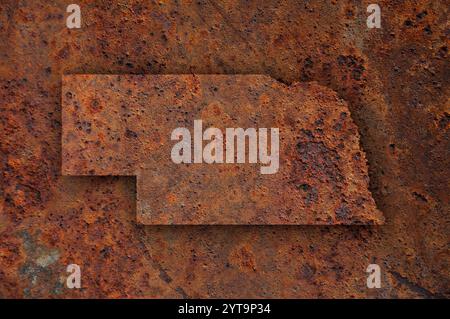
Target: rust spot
x: 95, y: 106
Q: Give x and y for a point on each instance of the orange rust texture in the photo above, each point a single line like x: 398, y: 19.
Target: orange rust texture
x: 122, y: 125
x: 394, y: 79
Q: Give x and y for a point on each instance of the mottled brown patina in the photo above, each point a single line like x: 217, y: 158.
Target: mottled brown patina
x: 394, y: 80
x: 122, y: 125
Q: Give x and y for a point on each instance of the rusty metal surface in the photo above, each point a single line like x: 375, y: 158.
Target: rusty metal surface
x: 394, y: 80
x: 122, y: 124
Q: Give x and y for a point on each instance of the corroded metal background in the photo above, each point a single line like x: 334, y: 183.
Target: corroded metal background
x: 394, y: 79
x: 122, y: 125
